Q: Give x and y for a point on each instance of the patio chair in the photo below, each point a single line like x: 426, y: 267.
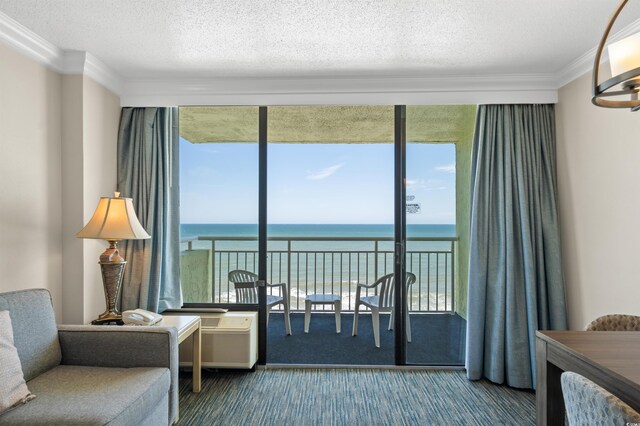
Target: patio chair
x: 589, y: 404
x: 246, y: 286
x: 382, y: 302
x: 615, y: 322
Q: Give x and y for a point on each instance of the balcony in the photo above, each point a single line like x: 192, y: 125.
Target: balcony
x: 327, y: 265
x: 336, y: 265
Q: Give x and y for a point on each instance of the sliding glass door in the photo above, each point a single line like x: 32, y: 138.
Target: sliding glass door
x: 322, y: 208
x: 218, y: 203
x: 437, y: 152
x: 330, y: 231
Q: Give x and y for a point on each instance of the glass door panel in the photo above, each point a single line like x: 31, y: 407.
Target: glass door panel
x: 436, y: 137
x: 330, y: 228
x: 218, y: 203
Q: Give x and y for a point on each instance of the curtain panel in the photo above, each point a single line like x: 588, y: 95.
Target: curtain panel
x: 516, y: 284
x: 148, y: 173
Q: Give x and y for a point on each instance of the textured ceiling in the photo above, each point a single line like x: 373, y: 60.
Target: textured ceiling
x: 178, y: 38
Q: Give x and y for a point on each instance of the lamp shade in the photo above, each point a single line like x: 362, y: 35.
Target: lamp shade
x: 114, y: 220
x: 624, y: 55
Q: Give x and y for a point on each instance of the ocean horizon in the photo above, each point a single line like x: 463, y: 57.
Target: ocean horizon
x: 314, y: 230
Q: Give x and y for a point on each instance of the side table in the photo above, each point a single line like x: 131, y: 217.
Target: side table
x: 322, y: 299
x: 188, y: 325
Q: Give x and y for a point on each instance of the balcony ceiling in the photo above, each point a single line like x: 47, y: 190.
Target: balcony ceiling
x: 305, y: 38
x: 326, y: 124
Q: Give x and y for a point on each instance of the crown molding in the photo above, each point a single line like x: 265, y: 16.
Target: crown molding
x: 532, y: 88
x: 584, y: 63
x: 30, y: 44
x: 25, y: 41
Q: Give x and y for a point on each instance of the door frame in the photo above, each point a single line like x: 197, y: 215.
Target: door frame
x: 400, y: 232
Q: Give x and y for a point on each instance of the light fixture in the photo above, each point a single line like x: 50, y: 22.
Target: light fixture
x: 624, y: 59
x: 113, y: 220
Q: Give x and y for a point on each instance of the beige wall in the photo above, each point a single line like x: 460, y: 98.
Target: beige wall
x: 599, y: 201
x: 91, y: 116
x: 58, y: 137
x: 72, y: 200
x: 101, y: 118
x: 30, y: 176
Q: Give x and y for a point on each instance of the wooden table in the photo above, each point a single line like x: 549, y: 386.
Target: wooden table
x: 609, y: 358
x: 188, y: 325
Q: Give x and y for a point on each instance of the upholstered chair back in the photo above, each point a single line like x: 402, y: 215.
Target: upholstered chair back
x: 35, y: 333
x: 615, y: 322
x: 589, y: 404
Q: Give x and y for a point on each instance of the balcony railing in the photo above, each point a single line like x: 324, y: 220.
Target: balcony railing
x: 332, y: 265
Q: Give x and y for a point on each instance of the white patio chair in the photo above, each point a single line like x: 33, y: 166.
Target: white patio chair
x: 382, y: 302
x: 246, y: 286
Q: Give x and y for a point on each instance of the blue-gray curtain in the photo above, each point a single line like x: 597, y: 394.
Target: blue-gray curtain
x: 516, y: 284
x: 148, y: 173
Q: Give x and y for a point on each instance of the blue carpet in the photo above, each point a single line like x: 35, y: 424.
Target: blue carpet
x: 351, y: 397
x: 437, y: 339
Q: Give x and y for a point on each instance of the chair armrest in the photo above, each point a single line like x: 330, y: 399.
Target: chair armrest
x: 367, y: 286
x: 283, y: 285
x: 123, y: 346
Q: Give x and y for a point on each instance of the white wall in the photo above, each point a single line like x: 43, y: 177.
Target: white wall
x: 30, y: 176
x: 599, y: 203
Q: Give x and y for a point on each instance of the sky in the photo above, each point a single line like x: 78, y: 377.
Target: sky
x: 314, y: 183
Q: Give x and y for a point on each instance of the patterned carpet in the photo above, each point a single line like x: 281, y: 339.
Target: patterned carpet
x: 351, y: 397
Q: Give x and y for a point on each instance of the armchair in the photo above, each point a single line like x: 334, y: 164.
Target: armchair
x: 114, y: 375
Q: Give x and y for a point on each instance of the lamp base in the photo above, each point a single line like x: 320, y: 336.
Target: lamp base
x: 111, y: 319
x: 112, y: 274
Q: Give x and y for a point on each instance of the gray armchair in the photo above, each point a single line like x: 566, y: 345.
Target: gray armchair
x: 116, y: 375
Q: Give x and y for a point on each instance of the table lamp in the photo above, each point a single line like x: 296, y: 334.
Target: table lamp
x: 113, y: 220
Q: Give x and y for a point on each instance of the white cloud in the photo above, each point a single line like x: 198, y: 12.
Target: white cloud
x: 428, y: 184
x: 324, y: 173
x: 447, y: 168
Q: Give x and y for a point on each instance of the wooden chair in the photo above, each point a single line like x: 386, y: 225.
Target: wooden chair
x: 382, y: 302
x: 246, y: 286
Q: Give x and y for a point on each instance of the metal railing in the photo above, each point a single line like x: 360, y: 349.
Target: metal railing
x: 334, y: 265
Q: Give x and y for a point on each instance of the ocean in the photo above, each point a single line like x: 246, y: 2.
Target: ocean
x: 312, y: 230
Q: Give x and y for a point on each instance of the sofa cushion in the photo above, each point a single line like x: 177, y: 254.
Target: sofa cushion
x: 71, y: 394
x: 35, y: 334
x: 13, y: 389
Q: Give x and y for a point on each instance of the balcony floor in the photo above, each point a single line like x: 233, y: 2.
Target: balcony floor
x: 437, y: 339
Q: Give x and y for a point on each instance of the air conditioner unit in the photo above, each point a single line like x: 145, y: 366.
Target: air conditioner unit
x: 229, y: 340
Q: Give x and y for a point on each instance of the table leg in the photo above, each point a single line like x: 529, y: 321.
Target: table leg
x: 549, y: 401
x: 337, y: 306
x: 307, y: 315
x: 197, y: 359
